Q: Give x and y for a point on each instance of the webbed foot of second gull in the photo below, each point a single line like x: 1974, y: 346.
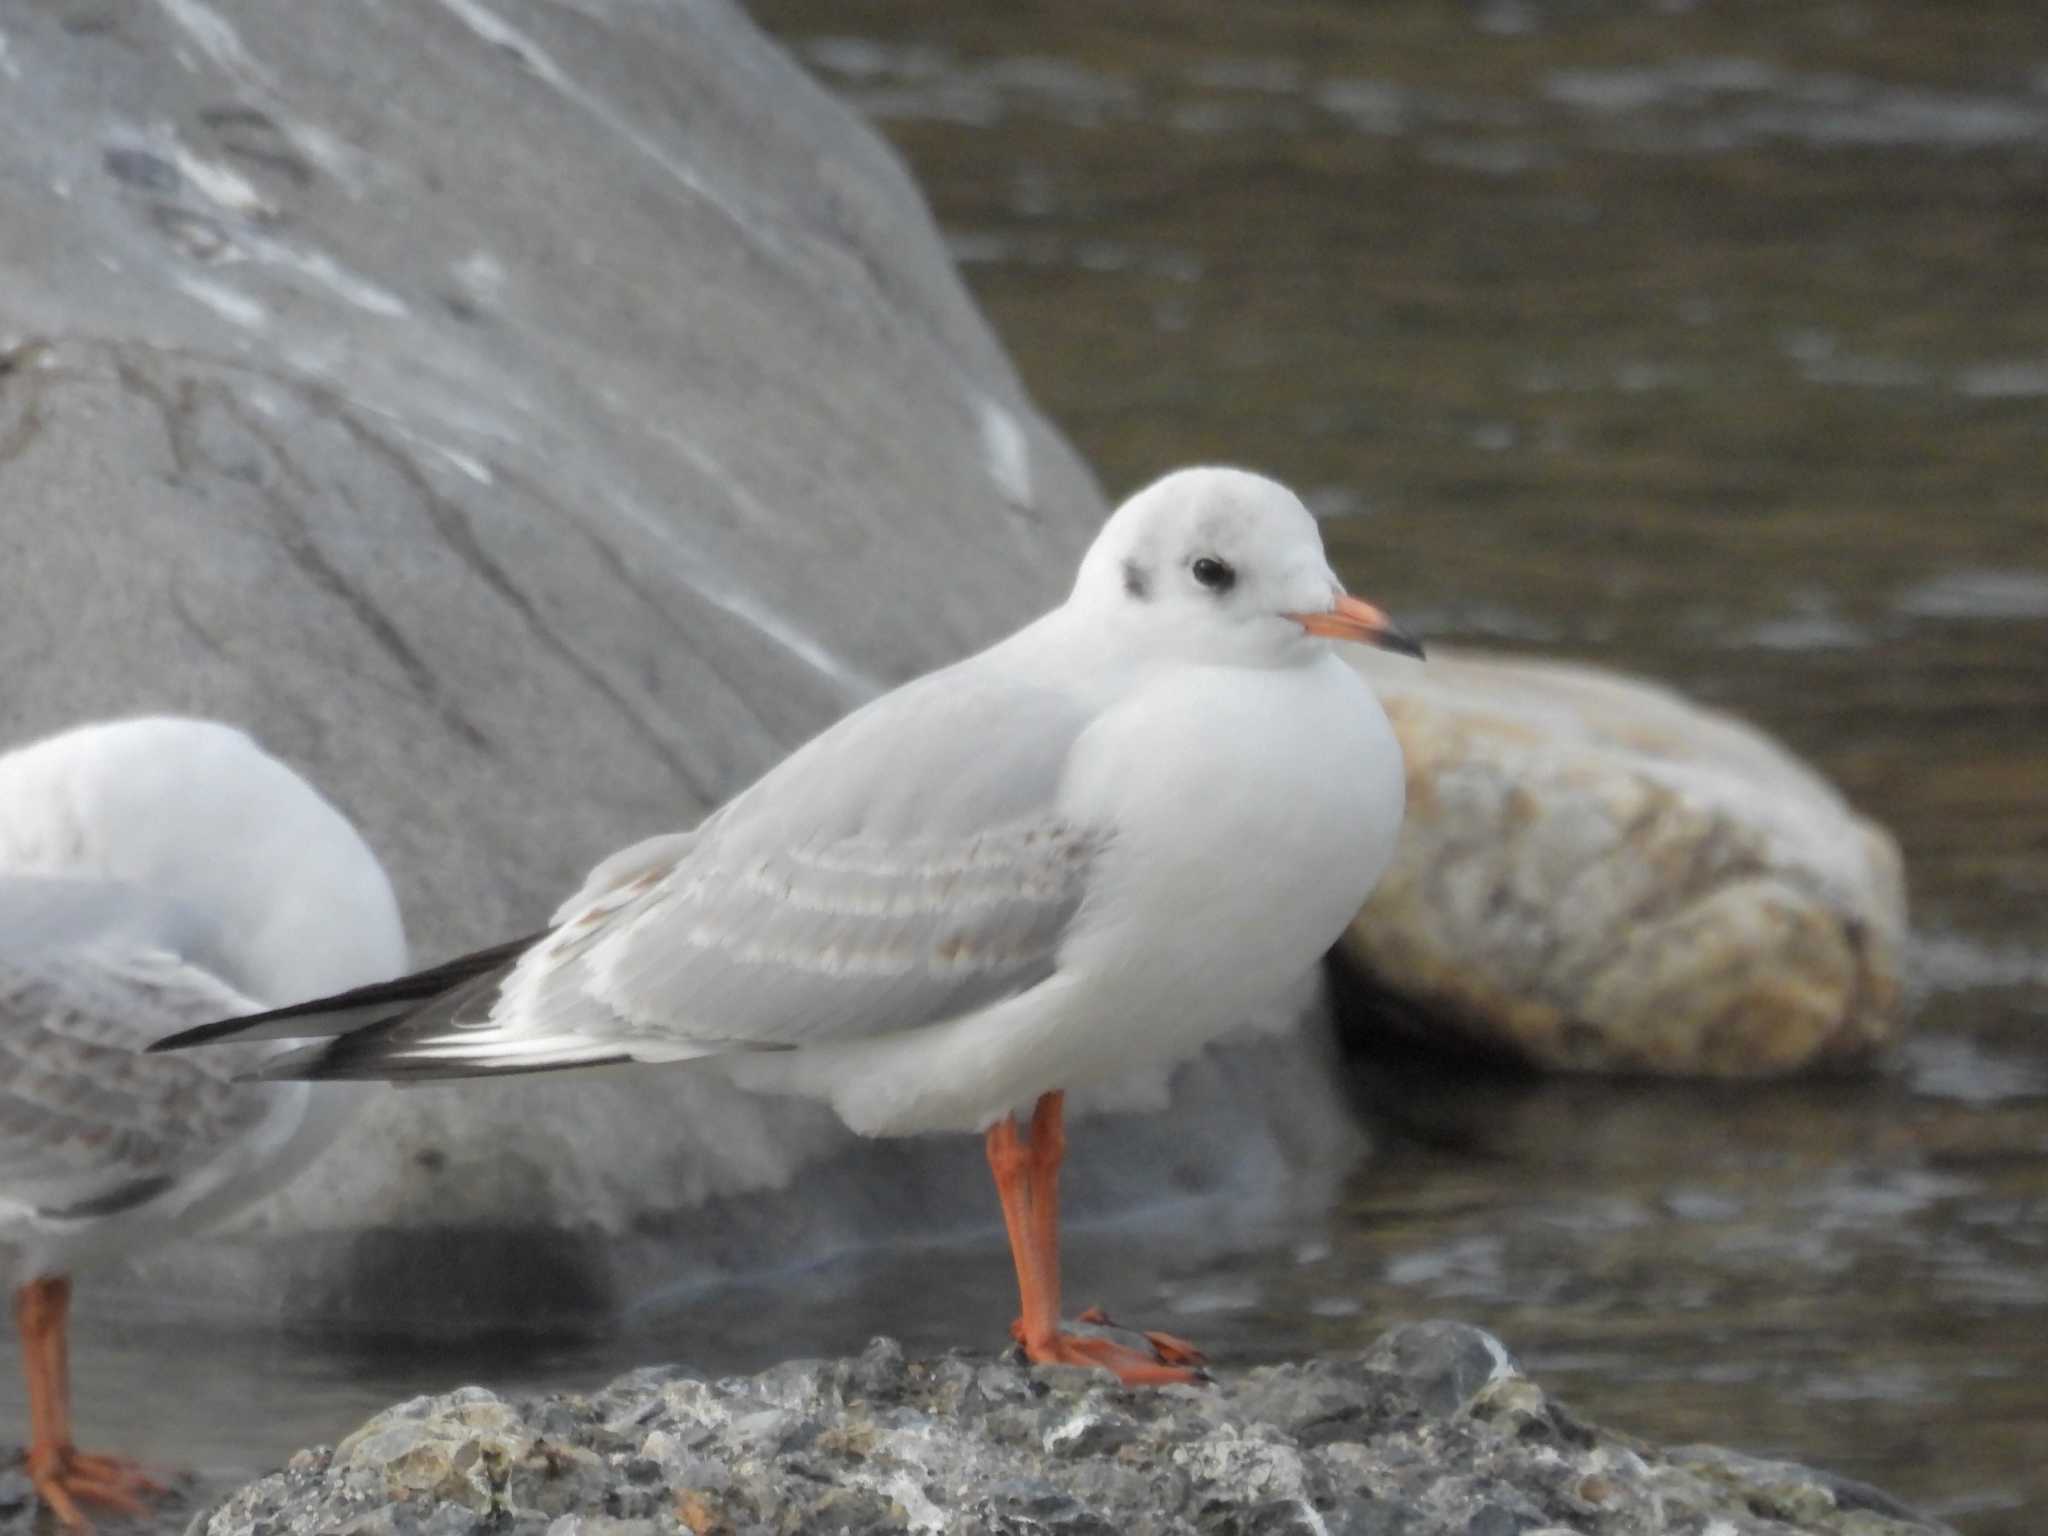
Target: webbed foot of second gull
x: 65, y: 1477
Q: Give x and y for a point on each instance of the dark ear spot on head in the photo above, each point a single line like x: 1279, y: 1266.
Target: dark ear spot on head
x: 1136, y: 582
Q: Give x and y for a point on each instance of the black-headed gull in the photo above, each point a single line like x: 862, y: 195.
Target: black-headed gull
x: 1090, y: 849
x: 153, y: 873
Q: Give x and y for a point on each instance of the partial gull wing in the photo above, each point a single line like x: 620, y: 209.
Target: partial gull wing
x: 907, y: 867
x: 659, y: 853
x: 88, y: 1126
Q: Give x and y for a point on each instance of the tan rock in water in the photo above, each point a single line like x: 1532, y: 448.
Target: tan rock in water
x: 1598, y: 875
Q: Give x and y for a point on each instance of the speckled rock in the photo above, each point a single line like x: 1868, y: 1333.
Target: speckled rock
x: 1431, y: 1432
x: 530, y: 422
x: 1598, y: 875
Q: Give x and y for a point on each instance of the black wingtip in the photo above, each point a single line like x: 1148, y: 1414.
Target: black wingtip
x: 203, y: 1034
x: 377, y: 998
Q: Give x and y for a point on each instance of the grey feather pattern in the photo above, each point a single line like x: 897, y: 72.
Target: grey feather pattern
x: 908, y: 866
x: 87, y: 1123
x: 845, y: 939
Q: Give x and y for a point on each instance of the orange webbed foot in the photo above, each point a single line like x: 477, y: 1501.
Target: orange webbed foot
x: 1170, y: 1348
x: 1165, y: 1361
x: 64, y: 1478
x: 1132, y: 1367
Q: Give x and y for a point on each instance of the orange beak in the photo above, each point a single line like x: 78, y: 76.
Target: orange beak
x: 1355, y: 620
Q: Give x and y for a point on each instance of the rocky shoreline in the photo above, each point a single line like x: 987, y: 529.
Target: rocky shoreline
x: 1431, y: 1431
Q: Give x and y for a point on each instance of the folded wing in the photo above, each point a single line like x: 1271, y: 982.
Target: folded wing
x: 88, y: 1125
x: 909, y: 866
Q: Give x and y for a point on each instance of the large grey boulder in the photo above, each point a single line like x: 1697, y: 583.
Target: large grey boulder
x: 1596, y: 874
x: 1433, y: 1431
x: 529, y: 421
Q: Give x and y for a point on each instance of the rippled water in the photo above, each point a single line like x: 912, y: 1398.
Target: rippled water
x: 1707, y: 340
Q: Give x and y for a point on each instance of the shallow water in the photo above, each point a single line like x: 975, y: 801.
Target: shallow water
x: 1706, y: 340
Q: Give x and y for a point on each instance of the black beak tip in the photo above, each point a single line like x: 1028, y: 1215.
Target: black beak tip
x: 1400, y: 643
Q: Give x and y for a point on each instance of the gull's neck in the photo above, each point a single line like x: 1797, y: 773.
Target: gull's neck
x: 1078, y: 648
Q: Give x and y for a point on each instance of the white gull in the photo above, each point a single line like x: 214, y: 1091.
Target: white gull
x: 1088, y: 850
x: 154, y: 873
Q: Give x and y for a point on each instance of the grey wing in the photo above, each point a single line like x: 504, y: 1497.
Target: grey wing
x: 88, y: 1125
x: 905, y: 868
x: 842, y: 939
x: 908, y: 866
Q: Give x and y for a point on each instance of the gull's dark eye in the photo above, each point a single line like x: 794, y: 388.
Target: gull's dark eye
x: 1214, y: 574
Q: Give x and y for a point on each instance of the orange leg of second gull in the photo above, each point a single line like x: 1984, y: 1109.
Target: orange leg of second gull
x: 64, y: 1476
x: 1028, y: 1180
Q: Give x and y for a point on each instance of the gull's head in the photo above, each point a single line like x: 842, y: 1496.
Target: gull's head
x: 1223, y: 566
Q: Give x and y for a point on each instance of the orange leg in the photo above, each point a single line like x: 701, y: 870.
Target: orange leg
x: 62, y: 1474
x: 1027, y: 1181
x: 1010, y: 1161
x: 1048, y: 1151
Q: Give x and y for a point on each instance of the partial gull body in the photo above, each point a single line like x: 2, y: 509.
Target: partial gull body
x: 1087, y: 851
x: 154, y: 873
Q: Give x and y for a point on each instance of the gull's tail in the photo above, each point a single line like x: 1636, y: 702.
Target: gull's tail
x: 363, y: 1008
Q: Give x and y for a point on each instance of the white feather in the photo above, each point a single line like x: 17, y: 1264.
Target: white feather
x: 174, y: 872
